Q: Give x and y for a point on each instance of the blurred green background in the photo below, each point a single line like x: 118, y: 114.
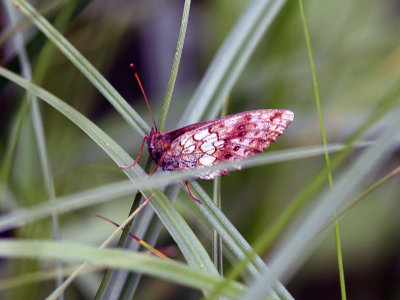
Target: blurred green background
x: 357, y: 58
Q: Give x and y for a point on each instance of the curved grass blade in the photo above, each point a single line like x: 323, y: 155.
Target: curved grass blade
x: 117, y: 258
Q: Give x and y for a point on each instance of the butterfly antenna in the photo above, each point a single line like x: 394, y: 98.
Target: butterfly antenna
x: 143, y: 92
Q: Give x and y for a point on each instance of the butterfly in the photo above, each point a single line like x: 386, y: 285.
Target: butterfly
x: 208, y: 143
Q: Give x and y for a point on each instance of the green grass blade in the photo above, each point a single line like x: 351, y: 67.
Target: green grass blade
x: 217, y: 239
x: 39, y: 276
x: 316, y: 91
x: 324, y: 142
x: 167, y: 270
x: 175, y: 66
x: 217, y: 250
x: 67, y: 203
x: 115, y: 190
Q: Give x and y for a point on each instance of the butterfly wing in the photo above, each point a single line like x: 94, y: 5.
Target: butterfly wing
x: 229, y: 138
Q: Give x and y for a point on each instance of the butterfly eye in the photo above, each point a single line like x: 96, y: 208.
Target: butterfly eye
x: 228, y: 156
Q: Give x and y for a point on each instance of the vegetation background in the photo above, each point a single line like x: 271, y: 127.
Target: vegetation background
x: 357, y: 60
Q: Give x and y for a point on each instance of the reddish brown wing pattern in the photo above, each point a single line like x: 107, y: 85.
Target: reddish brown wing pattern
x: 204, y: 144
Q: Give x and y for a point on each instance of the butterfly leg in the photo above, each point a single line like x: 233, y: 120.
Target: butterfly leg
x: 191, y: 194
x: 158, y: 165
x: 139, y: 156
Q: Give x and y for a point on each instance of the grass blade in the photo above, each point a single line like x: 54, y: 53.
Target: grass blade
x: 175, y: 66
x: 324, y: 142
x: 116, y: 258
x: 115, y: 190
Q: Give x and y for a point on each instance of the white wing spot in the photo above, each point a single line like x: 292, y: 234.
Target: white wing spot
x: 208, y: 148
x: 188, y: 142
x: 184, y: 140
x: 211, y: 138
x: 201, y: 135
x: 207, y: 160
x: 188, y: 150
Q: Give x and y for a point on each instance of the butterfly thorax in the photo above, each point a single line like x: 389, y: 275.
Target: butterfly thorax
x: 159, y: 146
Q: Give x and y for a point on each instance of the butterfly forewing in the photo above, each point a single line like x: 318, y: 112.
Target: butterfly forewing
x: 204, y: 144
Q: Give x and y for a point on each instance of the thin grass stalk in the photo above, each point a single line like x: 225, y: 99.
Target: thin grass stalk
x: 217, y: 239
x: 175, y: 66
x: 324, y: 143
x: 37, y: 123
x: 128, y: 288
